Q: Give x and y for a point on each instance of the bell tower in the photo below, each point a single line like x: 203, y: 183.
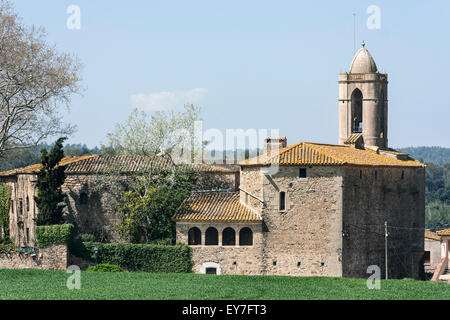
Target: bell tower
x: 363, y: 107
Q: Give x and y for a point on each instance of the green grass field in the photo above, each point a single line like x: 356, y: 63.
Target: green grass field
x: 43, y: 285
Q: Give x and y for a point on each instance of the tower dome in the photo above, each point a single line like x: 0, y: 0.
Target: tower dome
x: 363, y: 62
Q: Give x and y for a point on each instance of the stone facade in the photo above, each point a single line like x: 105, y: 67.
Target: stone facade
x: 51, y: 258
x: 434, y: 248
x: 373, y: 196
x: 234, y: 259
x: 332, y: 223
x: 304, y: 238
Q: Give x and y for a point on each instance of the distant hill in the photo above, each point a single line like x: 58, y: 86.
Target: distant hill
x: 437, y: 155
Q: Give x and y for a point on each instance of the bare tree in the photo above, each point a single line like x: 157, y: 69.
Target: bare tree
x: 35, y: 80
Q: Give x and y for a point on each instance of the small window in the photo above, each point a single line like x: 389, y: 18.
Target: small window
x: 360, y: 174
x: 282, y: 201
x: 403, y: 174
x: 12, y: 206
x: 211, y: 271
x: 20, y: 209
x: 426, y: 257
x: 28, y: 204
x: 376, y: 175
x: 28, y: 235
x: 299, y: 264
x: 302, y: 173
x: 274, y: 263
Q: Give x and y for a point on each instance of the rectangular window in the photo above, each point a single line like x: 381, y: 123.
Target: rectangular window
x: 20, y: 209
x: 211, y: 271
x: 426, y: 257
x: 282, y: 201
x: 302, y: 173
x: 28, y: 235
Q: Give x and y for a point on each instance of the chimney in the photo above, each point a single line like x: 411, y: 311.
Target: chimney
x: 274, y: 144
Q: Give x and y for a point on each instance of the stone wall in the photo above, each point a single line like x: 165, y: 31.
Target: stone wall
x: 92, y: 212
x: 305, y: 238
x: 373, y: 195
x: 51, y: 258
x: 23, y: 209
x: 434, y: 247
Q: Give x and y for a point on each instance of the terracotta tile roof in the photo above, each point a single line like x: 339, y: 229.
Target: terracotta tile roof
x: 307, y: 153
x: 215, y: 207
x: 445, y: 232
x: 125, y: 164
x: 431, y: 235
x: 353, y: 138
x: 36, y: 167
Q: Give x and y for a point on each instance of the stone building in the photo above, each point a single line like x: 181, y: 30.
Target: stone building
x: 432, y: 255
x: 318, y: 209
x: 309, y: 209
x: 90, y: 210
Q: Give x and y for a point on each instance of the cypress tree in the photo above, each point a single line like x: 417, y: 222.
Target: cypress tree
x: 50, y: 178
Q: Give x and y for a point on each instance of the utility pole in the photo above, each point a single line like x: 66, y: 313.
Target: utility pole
x: 385, y: 247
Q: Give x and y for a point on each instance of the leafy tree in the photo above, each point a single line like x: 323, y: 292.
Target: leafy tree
x: 148, y: 199
x: 437, y: 192
x: 146, y: 213
x: 50, y: 178
x: 436, y: 155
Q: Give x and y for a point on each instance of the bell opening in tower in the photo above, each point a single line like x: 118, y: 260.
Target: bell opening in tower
x: 357, y: 114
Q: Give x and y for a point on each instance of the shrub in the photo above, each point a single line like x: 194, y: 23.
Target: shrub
x: 7, y: 247
x: 105, y: 267
x: 56, y: 234
x: 5, y: 196
x: 78, y: 248
x: 142, y: 257
x: 86, y: 237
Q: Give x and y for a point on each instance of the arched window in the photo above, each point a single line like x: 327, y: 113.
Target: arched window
x: 357, y: 112
x: 28, y: 204
x: 194, y: 237
x: 228, y: 237
x: 246, y: 237
x: 211, y: 237
x: 83, y: 198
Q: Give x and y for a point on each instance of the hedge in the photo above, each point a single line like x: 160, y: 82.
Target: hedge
x: 56, y: 234
x: 105, y: 268
x: 142, y: 257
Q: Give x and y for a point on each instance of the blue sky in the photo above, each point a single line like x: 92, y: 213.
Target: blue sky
x: 252, y: 64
